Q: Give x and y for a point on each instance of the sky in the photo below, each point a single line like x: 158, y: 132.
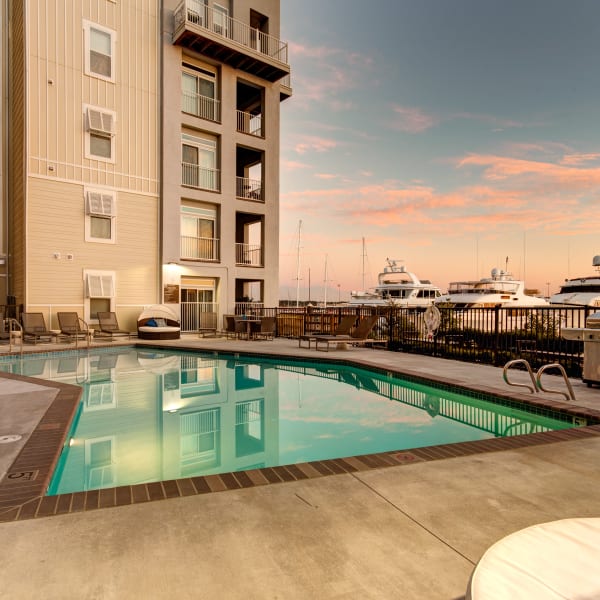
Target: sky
x: 452, y: 135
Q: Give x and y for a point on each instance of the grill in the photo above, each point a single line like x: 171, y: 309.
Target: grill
x: 590, y: 336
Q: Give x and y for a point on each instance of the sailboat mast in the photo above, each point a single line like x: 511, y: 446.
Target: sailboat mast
x: 363, y: 263
x: 325, y: 285
x: 298, y: 266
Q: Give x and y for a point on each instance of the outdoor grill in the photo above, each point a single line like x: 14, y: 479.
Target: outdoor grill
x: 590, y: 336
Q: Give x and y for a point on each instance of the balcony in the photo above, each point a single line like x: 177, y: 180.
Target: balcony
x: 249, y: 189
x: 248, y: 255
x: 201, y: 178
x: 285, y: 88
x: 201, y: 106
x: 195, y: 248
x: 207, y: 31
x: 249, y: 123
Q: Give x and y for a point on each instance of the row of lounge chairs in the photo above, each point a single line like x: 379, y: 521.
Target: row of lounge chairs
x: 344, y: 333
x: 72, y: 327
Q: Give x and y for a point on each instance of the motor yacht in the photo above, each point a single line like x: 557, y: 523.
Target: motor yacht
x: 499, y: 289
x: 397, y: 287
x: 582, y: 291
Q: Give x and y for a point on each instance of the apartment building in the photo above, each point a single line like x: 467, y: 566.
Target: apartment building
x: 223, y: 65
x: 140, y: 156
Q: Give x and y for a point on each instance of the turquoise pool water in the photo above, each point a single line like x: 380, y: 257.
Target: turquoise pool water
x: 158, y: 415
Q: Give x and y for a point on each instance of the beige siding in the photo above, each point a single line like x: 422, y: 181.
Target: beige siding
x: 56, y: 220
x: 59, y: 89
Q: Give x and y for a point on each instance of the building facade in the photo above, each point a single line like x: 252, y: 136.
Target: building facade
x: 140, y: 156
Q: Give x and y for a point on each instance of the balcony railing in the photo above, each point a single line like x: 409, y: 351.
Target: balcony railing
x: 196, y: 13
x: 248, y: 255
x: 199, y: 177
x: 249, y: 123
x: 195, y: 248
x: 199, y: 315
x: 201, y: 106
x: 249, y: 189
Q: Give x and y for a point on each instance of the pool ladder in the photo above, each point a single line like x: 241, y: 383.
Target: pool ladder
x: 536, y: 379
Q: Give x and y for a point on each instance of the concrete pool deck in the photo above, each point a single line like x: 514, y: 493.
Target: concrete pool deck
x: 409, y: 531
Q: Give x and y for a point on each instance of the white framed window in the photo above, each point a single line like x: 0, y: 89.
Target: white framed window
x: 199, y: 92
x: 99, y: 293
x: 199, y: 232
x: 99, y: 133
x: 99, y: 48
x: 99, y: 456
x: 100, y: 216
x: 221, y: 20
x: 199, y: 161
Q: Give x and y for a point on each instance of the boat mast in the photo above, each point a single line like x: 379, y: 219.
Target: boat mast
x: 298, y: 266
x: 325, y: 285
x: 363, y: 263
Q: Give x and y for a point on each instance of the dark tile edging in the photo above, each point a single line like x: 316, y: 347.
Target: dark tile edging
x: 22, y: 499
x: 30, y: 473
x: 44, y: 506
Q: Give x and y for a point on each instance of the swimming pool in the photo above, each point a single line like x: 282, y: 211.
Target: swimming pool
x: 149, y: 415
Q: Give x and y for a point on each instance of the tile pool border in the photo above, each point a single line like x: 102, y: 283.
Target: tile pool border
x: 23, y: 487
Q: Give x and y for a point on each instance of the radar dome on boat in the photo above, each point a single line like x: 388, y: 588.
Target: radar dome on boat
x: 496, y: 272
x: 596, y: 261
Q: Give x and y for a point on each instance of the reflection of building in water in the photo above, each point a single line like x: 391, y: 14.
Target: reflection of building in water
x: 168, y: 417
x: 152, y: 416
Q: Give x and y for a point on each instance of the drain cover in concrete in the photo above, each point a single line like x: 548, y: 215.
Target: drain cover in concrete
x: 7, y: 439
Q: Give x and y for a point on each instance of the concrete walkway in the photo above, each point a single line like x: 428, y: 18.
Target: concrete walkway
x: 408, y: 532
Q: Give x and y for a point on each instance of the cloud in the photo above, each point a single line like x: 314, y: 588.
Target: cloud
x: 577, y: 159
x: 313, y: 143
x: 325, y: 176
x: 412, y: 119
x: 294, y: 165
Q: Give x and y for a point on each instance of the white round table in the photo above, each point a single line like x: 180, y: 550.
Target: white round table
x: 555, y: 560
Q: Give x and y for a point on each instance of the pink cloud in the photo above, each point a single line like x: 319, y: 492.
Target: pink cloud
x: 325, y: 176
x: 294, y: 165
x: 577, y: 159
x: 315, y: 144
x: 412, y: 120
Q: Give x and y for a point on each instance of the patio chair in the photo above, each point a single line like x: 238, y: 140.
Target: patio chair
x: 108, y: 325
x: 72, y: 326
x: 360, y: 336
x: 235, y: 327
x: 343, y: 328
x: 34, y: 328
x: 265, y: 329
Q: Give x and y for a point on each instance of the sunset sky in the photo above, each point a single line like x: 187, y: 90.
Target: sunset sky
x: 450, y: 134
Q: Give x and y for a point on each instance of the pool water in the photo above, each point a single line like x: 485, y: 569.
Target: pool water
x: 159, y: 415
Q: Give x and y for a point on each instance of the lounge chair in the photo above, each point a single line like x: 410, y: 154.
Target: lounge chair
x: 72, y: 326
x: 34, y: 328
x: 265, y: 329
x: 108, y: 325
x: 359, y: 336
x: 344, y: 326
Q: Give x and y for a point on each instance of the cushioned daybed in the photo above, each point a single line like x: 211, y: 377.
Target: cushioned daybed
x: 158, y: 323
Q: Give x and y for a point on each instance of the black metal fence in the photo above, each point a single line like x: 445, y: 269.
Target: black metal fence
x: 486, y: 335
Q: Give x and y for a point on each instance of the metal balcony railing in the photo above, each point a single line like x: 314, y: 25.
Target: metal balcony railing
x: 196, y: 248
x: 249, y: 189
x: 201, y: 106
x: 200, y: 177
x: 248, y: 255
x: 249, y: 123
x: 196, y: 13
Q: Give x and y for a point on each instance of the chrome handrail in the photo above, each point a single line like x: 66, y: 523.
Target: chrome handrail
x: 521, y: 361
x: 541, y: 370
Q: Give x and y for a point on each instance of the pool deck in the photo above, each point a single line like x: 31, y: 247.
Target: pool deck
x: 412, y: 531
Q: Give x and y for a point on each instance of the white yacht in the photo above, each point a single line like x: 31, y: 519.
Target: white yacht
x: 499, y: 289
x: 397, y: 287
x: 582, y: 291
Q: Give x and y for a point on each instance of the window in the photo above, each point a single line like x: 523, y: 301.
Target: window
x: 100, y: 133
x: 99, y: 462
x: 220, y: 20
x: 99, y: 293
x: 199, y: 92
x: 199, y: 162
x: 198, y: 233
x: 99, y: 51
x: 100, y: 216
